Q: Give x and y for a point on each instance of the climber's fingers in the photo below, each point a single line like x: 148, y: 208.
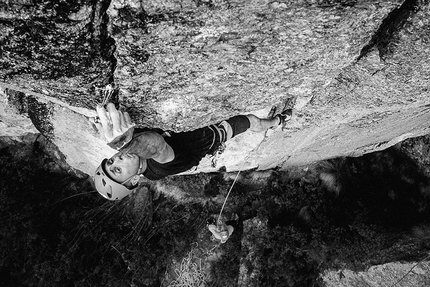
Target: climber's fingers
x: 123, y: 121
x: 106, y: 122
x: 115, y: 117
x: 99, y: 127
x: 112, y: 123
x: 95, y: 122
x: 128, y: 120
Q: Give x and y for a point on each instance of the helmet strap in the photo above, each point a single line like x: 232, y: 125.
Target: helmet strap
x: 140, y: 165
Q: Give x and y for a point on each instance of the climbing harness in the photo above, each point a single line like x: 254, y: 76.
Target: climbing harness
x: 221, y: 134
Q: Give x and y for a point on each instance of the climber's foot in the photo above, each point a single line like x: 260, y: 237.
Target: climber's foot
x: 287, y: 112
x: 272, y: 113
x: 284, y: 117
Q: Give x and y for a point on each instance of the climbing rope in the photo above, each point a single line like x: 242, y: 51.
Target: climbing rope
x: 189, y: 274
x: 228, y: 193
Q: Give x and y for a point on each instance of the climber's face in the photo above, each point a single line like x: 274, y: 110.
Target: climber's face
x: 122, y: 167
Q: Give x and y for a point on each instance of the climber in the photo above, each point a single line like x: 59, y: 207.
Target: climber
x: 157, y: 154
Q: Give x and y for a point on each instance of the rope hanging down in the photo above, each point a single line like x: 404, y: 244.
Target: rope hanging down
x: 228, y: 193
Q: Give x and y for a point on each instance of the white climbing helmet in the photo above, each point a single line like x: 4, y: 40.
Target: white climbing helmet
x: 107, y: 187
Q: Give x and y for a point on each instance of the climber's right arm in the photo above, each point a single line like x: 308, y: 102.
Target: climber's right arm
x: 150, y: 145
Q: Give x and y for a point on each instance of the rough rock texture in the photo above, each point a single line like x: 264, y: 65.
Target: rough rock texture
x: 359, y: 69
x: 56, y: 48
x: 66, y: 127
x: 210, y: 61
x: 15, y: 121
x: 385, y: 275
x: 360, y: 72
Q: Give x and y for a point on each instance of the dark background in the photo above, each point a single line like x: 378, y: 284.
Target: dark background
x: 56, y: 231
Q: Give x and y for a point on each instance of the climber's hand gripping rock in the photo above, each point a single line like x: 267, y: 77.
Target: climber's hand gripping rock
x: 115, y: 127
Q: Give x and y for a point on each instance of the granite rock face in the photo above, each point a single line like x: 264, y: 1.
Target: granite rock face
x: 359, y: 71
x: 390, y: 274
x: 67, y: 127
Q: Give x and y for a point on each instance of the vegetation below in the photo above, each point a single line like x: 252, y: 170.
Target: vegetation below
x: 343, y: 213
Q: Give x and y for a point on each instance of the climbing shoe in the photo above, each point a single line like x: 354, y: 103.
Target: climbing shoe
x: 271, y: 113
x: 284, y: 117
x: 287, y: 111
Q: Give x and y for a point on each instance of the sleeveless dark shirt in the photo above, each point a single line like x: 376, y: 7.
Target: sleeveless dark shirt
x: 189, y: 148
